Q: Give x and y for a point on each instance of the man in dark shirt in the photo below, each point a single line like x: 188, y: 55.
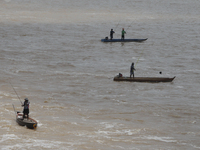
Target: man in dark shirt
x: 26, y: 108
x: 132, y: 70
x: 111, y: 34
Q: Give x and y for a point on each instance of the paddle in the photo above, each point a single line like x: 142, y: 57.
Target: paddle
x: 14, y: 109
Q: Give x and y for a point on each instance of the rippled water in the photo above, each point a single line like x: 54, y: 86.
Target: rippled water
x: 50, y: 51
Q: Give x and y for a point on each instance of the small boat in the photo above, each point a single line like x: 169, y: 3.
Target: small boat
x: 143, y: 79
x: 125, y: 40
x: 28, y: 122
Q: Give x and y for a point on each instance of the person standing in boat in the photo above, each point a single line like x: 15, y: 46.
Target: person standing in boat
x: 111, y: 34
x: 123, y: 33
x: 26, y: 108
x: 132, y: 70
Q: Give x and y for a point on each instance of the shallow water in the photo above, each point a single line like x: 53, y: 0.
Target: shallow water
x: 51, y: 53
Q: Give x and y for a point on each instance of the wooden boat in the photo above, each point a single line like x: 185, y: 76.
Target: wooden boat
x: 143, y: 79
x: 28, y: 122
x: 125, y: 40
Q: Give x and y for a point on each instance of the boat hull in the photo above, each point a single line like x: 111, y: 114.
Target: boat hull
x: 125, y: 40
x: 144, y: 79
x: 29, y: 123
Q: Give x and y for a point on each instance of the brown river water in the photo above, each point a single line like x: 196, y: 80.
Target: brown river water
x: 51, y: 52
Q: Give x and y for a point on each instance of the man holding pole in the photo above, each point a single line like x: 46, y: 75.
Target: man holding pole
x: 132, y: 68
x: 123, y: 33
x: 26, y: 108
x: 111, y: 34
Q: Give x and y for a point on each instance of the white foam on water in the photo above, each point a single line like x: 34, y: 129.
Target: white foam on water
x: 32, y: 143
x: 163, y: 139
x: 6, y: 137
x: 115, y: 129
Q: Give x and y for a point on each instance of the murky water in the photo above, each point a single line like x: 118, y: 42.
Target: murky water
x: 50, y: 51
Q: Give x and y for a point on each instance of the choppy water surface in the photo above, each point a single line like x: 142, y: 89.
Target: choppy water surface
x: 51, y: 53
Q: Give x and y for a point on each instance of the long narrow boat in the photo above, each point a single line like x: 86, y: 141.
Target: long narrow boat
x: 144, y: 79
x: 28, y: 122
x: 125, y: 40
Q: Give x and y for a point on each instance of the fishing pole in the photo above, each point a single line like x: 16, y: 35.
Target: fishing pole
x: 133, y: 19
x: 129, y: 25
x: 139, y: 57
x: 16, y: 94
x: 117, y: 24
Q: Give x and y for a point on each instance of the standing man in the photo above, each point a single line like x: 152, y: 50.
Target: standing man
x: 111, y: 34
x: 26, y: 108
x: 132, y: 70
x: 123, y: 33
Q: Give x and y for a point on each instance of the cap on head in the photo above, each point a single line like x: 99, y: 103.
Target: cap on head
x: 26, y: 99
